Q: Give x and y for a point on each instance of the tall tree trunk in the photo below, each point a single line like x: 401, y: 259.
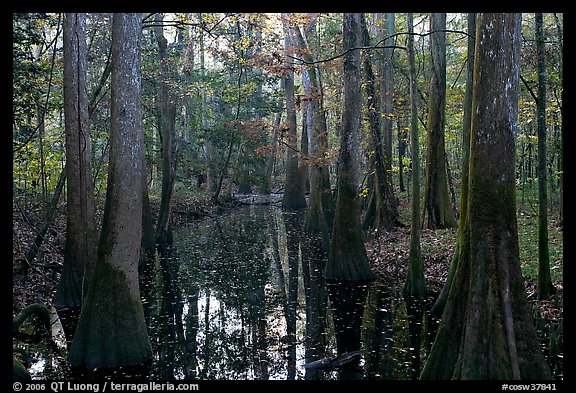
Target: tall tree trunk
x: 385, y: 213
x: 293, y: 193
x: 438, y: 307
x: 81, y: 233
x: 347, y: 259
x: 437, y: 210
x: 414, y: 290
x: 209, y: 149
x: 545, y: 286
x: 387, y: 91
x: 303, y: 166
x: 112, y: 330
x: 320, y: 209
x: 561, y: 156
x: 167, y: 130
x: 486, y: 330
x: 415, y: 285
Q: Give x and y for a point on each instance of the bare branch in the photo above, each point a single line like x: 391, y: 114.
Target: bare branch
x: 378, y: 45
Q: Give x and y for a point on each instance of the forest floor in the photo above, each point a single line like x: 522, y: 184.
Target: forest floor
x: 388, y: 253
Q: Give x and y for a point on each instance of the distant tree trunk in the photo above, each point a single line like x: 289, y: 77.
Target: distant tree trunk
x: 462, y: 237
x: 437, y: 210
x: 486, y: 330
x: 401, y: 154
x: 561, y: 155
x: 545, y: 286
x: 347, y: 259
x: 262, y: 183
x: 304, y: 167
x: 272, y: 153
x: 244, y: 185
x: 415, y: 285
x: 209, y: 149
x: 387, y: 91
x: 51, y: 209
x: 320, y: 209
x: 293, y: 193
x: 414, y: 290
x: 112, y: 330
x: 167, y: 130
x: 81, y: 233
x: 384, y: 214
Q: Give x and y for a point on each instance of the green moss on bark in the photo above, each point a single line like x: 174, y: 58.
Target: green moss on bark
x: 112, y: 330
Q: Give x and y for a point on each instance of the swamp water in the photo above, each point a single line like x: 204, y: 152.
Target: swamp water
x: 242, y: 296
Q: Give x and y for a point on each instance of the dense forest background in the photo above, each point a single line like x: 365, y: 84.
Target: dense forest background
x: 253, y: 103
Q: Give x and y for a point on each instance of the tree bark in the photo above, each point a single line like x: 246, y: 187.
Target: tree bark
x: 293, y: 192
x: 384, y: 214
x: 347, y: 259
x: 486, y: 330
x: 415, y: 285
x: 437, y: 210
x: 461, y: 238
x: 112, y: 330
x: 167, y: 130
x: 387, y: 91
x: 209, y: 148
x: 81, y: 234
x: 320, y: 209
x: 545, y: 286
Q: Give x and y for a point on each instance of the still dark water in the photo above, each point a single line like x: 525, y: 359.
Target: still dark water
x: 242, y: 296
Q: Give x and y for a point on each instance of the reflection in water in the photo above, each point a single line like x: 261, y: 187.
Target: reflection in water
x: 415, y: 310
x: 379, y: 332
x: 313, y: 261
x: 347, y: 299
x: 293, y: 225
x: 240, y: 319
x: 242, y: 296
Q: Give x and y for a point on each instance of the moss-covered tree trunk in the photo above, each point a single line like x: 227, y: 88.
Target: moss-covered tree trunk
x: 112, y: 330
x: 437, y: 209
x: 347, y: 270
x: 545, y: 287
x: 347, y: 259
x: 293, y: 192
x: 486, y: 330
x: 81, y: 234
